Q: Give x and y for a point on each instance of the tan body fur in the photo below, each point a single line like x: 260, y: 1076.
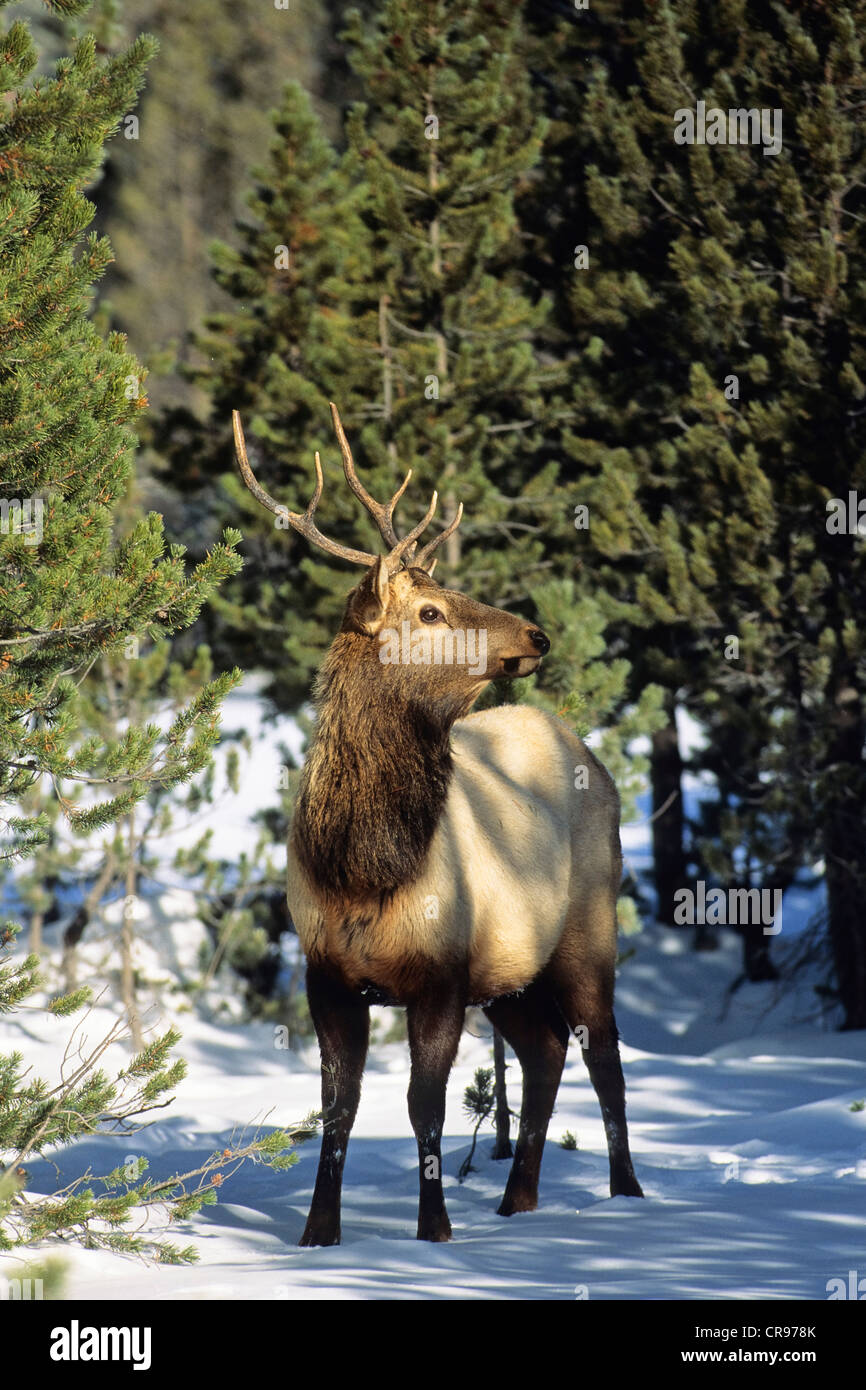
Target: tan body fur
x: 518, y: 855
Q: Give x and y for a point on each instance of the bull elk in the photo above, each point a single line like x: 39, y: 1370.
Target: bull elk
x: 438, y: 859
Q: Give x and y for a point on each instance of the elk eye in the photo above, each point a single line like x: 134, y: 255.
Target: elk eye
x: 429, y: 615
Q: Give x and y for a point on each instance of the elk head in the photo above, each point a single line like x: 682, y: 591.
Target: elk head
x: 432, y: 645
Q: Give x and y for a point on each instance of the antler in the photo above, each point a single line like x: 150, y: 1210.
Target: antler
x: 382, y: 513
x: 423, y: 556
x: 302, y: 522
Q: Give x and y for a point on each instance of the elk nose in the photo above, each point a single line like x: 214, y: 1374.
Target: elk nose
x: 539, y: 640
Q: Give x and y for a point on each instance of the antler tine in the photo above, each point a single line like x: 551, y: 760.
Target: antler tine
x: 395, y: 557
x: 420, y: 560
x: 301, y: 522
x: 382, y: 513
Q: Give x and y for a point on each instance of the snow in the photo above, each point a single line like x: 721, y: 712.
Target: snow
x: 742, y: 1132
x: 753, y: 1163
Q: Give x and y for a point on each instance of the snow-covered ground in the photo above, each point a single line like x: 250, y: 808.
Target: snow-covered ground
x: 752, y: 1160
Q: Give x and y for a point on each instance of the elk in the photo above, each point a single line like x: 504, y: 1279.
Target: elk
x: 438, y: 859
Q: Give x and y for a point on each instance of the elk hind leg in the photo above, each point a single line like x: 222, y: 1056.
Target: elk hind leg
x: 535, y: 1029
x: 583, y: 980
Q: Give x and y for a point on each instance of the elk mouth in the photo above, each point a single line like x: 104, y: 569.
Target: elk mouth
x: 520, y: 665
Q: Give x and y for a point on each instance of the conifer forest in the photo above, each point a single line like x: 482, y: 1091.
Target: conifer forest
x: 336, y: 894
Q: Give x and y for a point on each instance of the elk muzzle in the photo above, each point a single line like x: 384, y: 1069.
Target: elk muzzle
x: 525, y: 663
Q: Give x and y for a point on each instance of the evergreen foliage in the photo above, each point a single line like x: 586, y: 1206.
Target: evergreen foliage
x: 37, y: 1117
x: 389, y: 281
x: 715, y: 407
x: 80, y: 586
x: 479, y: 1100
x: 71, y: 591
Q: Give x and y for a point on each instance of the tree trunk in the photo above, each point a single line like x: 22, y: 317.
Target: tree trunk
x: 502, y: 1147
x: 75, y: 930
x: 843, y: 836
x: 35, y: 943
x: 757, y: 964
x: 127, y: 936
x: 669, y: 860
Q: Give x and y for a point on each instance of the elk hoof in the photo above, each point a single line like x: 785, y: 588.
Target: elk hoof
x: 627, y: 1187
x: 319, y: 1235
x: 510, y: 1206
x: 436, y: 1231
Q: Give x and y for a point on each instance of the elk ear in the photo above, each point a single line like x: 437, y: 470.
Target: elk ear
x: 369, y: 602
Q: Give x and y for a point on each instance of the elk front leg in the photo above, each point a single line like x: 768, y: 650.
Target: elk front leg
x: 342, y: 1022
x: 434, y: 1027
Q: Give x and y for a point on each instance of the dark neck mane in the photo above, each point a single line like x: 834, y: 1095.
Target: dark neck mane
x: 374, y: 783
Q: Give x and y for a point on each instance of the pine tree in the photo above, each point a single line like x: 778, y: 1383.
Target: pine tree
x: 38, y: 1115
x: 447, y: 133
x: 717, y: 413
x: 36, y: 883
x: 143, y: 688
x: 396, y: 300
x: 71, y: 593
x: 479, y: 1103
x: 399, y: 295
x: 286, y: 348
x: 617, y: 363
